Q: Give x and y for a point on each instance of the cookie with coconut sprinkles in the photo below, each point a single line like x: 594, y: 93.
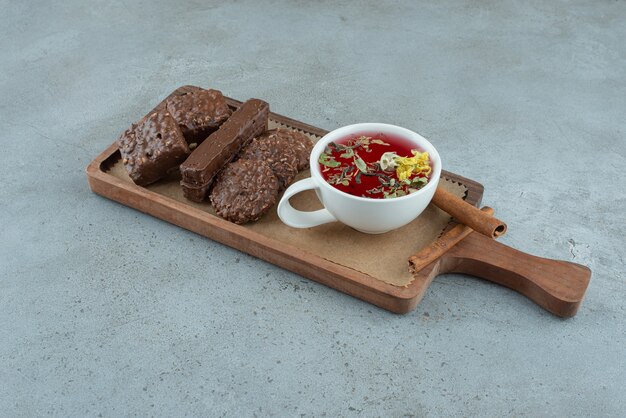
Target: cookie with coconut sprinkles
x: 244, y: 191
x: 277, y: 154
x: 297, y: 141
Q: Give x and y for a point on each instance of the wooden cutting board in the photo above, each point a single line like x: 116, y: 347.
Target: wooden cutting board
x: 373, y: 268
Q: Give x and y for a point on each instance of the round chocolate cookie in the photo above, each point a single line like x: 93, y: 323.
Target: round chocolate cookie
x: 299, y: 142
x: 244, y: 191
x: 277, y: 154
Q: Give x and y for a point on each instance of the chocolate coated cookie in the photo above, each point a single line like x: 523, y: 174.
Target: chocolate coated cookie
x: 199, y: 113
x: 244, y: 190
x: 298, y: 142
x: 152, y: 147
x: 277, y: 154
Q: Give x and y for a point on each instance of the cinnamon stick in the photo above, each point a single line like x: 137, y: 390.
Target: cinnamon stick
x: 435, y: 250
x: 467, y: 214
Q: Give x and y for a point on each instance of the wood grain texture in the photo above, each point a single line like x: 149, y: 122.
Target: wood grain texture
x: 557, y: 286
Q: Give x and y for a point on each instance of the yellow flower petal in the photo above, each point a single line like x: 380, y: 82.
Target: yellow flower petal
x: 419, y: 163
x: 403, y: 172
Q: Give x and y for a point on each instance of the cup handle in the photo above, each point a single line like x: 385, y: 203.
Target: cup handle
x: 297, y: 218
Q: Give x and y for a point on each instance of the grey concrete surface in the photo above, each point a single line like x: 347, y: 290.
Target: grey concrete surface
x: 107, y: 312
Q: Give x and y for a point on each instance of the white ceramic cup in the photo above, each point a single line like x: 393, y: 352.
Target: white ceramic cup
x: 372, y: 216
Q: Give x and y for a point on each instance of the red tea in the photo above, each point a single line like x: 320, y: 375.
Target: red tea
x: 375, y: 165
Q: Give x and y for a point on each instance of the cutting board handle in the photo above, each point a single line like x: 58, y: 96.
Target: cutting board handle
x: 557, y: 286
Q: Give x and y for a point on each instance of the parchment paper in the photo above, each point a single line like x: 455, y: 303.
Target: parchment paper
x: 383, y: 257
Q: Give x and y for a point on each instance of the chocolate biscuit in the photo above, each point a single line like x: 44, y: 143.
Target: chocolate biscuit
x: 244, y: 191
x: 277, y: 154
x: 198, y: 113
x: 222, y: 146
x: 195, y: 193
x: 152, y: 147
x: 298, y: 141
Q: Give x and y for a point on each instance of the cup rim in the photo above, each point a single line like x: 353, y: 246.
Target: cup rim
x: 384, y: 127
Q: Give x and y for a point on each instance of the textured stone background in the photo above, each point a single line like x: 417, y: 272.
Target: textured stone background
x: 105, y: 311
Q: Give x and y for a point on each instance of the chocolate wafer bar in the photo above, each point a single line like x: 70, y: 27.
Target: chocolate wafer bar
x: 195, y: 193
x: 222, y: 146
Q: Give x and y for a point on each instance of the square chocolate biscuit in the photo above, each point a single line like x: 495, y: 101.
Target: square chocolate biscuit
x: 199, y: 113
x: 152, y: 147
